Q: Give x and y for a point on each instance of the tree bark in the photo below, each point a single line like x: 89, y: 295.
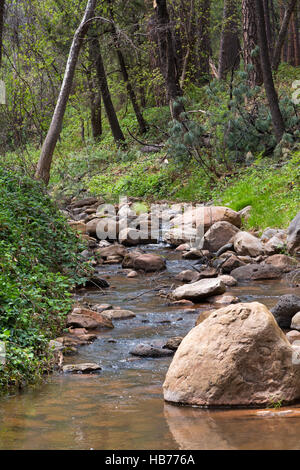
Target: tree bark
x: 271, y: 93
x: 203, y: 45
x: 250, y: 43
x: 230, y: 47
x: 268, y: 26
x: 282, y: 33
x: 139, y: 116
x: 2, y: 6
x: 107, y: 101
x: 167, y: 58
x: 44, y: 163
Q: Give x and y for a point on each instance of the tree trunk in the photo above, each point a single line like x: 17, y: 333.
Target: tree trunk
x: 268, y: 26
x: 203, y: 46
x: 44, y: 163
x: 296, y: 42
x: 167, y: 58
x: 96, y: 117
x: 139, y: 116
x: 250, y: 43
x: 108, y: 104
x: 230, y: 47
x: 271, y: 93
x: 282, y: 33
x: 2, y: 6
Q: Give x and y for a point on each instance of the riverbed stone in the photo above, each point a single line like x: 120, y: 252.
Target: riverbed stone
x: 283, y: 262
x: 112, y: 250
x: 118, y: 314
x: 238, y: 356
x: 102, y: 320
x: 231, y: 262
x: 293, y: 336
x: 199, y: 290
x: 256, y: 272
x: 229, y: 281
x: 293, y: 237
x: 206, y: 216
x: 148, y: 262
x: 149, y: 350
x: 81, y: 321
x: 295, y: 323
x: 219, y: 234
x: 246, y: 244
x: 188, y: 275
x: 178, y: 236
x: 86, y: 368
x: 287, y: 306
x: 173, y: 343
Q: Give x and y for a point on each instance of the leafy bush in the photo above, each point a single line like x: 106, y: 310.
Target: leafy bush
x: 39, y: 264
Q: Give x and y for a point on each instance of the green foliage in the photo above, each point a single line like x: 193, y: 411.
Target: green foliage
x: 237, y: 126
x: 273, y: 192
x: 39, y: 264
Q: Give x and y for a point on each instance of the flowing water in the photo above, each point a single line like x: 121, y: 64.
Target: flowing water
x: 122, y: 407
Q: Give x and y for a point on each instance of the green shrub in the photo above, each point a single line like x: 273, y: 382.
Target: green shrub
x: 39, y: 264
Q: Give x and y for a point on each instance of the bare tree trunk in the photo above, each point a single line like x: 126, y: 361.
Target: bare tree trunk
x: 167, y: 58
x: 2, y: 6
x: 250, y: 43
x: 203, y: 46
x: 295, y: 28
x: 108, y: 104
x: 230, y: 47
x: 139, y: 116
x: 96, y: 117
x: 268, y: 26
x: 282, y: 33
x: 271, y: 93
x: 44, y: 163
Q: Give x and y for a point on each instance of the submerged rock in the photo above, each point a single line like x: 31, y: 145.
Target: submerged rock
x: 238, y: 356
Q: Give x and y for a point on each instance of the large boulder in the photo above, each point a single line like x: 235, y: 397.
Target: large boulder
x: 206, y: 216
x: 293, y: 238
x: 148, y: 262
x: 238, y: 356
x: 218, y: 235
x: 287, y: 306
x: 246, y: 244
x: 199, y: 290
x: 256, y: 272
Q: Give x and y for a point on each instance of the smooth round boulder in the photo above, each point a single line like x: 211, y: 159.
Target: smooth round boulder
x: 219, y: 234
x: 238, y: 356
x: 246, y: 244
